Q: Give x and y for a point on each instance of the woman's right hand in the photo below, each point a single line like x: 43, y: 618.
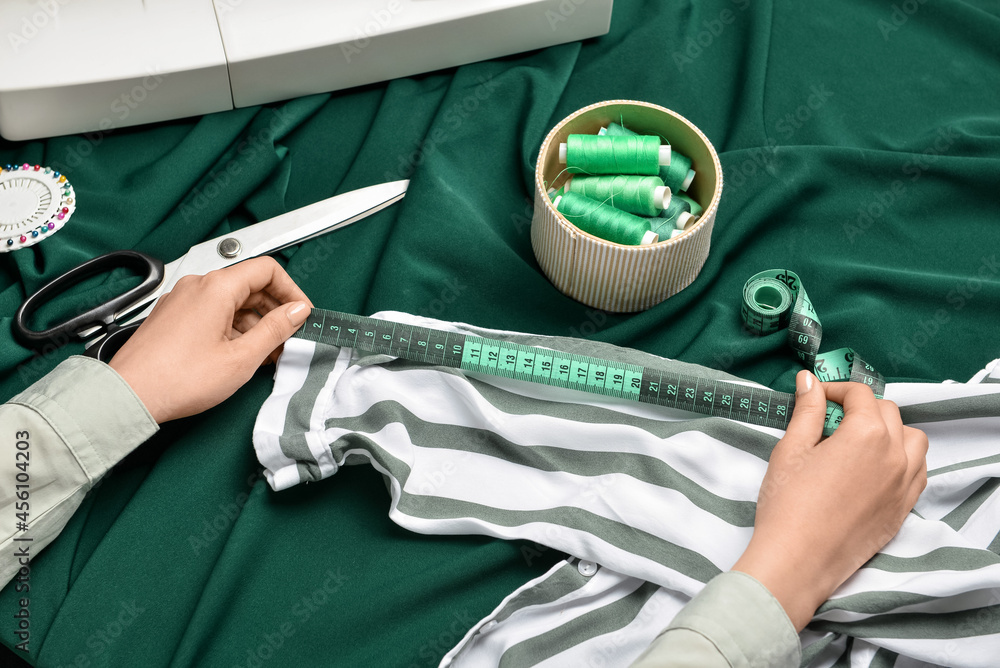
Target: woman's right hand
x: 826, y: 506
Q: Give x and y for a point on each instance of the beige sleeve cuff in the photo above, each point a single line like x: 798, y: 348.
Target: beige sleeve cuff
x: 94, y: 412
x: 733, y: 622
x: 58, y: 437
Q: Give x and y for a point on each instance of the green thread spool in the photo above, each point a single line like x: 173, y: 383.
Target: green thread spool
x: 678, y: 212
x: 663, y: 227
x: 677, y: 174
x: 642, y: 195
x: 696, y: 208
x: 605, y: 221
x: 637, y: 155
x: 616, y: 130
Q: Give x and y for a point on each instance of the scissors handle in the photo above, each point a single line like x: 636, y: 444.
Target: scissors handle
x: 101, y: 317
x: 106, y: 348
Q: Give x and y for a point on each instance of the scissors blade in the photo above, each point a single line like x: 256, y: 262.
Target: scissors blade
x: 274, y: 234
x: 285, y: 230
x: 316, y: 219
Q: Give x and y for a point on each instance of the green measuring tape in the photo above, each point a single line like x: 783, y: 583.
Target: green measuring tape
x: 775, y: 300
x: 771, y: 300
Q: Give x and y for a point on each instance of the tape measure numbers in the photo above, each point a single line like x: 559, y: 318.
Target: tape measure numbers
x: 775, y: 300
x: 753, y: 405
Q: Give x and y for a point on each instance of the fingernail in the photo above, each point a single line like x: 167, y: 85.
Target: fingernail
x: 803, y: 382
x: 298, y: 313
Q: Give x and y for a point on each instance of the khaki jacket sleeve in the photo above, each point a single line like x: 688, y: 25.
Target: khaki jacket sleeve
x: 733, y: 622
x: 57, y: 438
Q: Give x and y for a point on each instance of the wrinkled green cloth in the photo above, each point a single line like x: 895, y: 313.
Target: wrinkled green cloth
x: 860, y: 147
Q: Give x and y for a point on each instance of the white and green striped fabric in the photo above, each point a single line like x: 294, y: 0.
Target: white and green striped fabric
x: 662, y: 500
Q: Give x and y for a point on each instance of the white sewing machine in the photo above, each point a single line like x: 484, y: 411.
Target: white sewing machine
x: 74, y: 66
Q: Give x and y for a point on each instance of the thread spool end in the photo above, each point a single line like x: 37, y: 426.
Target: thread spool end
x: 677, y: 233
x: 602, y: 132
x: 688, y: 179
x: 556, y: 201
x: 562, y: 154
x: 683, y: 220
x: 664, y: 155
x: 661, y: 196
x: 649, y: 237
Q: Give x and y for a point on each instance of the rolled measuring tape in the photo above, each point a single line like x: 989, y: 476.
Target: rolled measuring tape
x: 35, y: 203
x: 776, y: 299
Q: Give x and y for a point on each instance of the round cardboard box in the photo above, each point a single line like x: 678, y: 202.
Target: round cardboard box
x: 610, y: 276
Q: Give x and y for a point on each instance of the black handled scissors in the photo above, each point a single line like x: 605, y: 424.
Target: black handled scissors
x: 108, y: 320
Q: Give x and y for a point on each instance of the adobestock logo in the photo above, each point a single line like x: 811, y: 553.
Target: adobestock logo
x: 32, y: 24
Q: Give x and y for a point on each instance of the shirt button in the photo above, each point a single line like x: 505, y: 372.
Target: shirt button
x: 587, y: 568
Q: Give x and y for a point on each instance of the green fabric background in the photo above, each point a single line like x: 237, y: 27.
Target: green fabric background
x: 860, y: 144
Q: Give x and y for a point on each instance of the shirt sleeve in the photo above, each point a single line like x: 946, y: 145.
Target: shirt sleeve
x: 57, y: 438
x: 733, y: 622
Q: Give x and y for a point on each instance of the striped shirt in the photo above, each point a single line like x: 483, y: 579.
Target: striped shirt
x: 650, y: 502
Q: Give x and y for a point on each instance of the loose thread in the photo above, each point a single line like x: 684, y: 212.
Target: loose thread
x: 662, y: 226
